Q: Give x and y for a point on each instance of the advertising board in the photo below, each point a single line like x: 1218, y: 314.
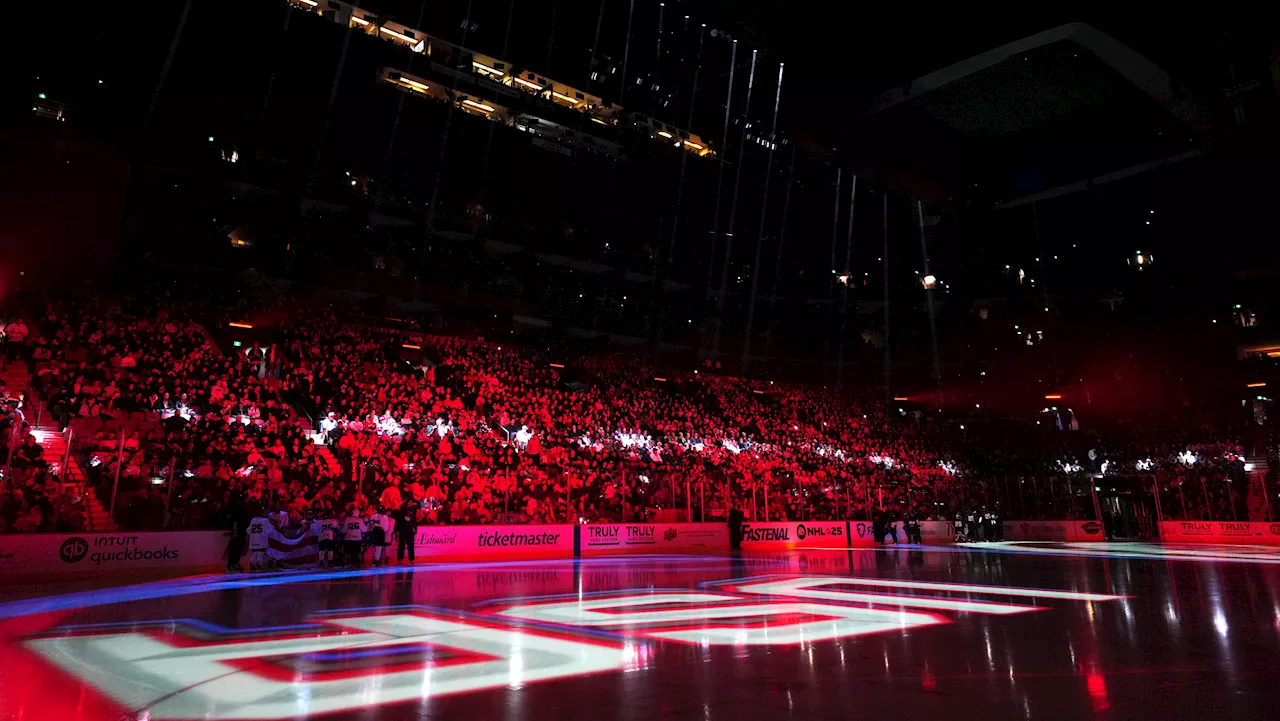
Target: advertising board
x: 654, y: 537
x: 1242, y: 532
x: 76, y: 554
x: 1073, y: 531
x: 804, y: 534
x: 495, y: 541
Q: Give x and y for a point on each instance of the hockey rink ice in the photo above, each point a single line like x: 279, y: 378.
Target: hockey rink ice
x: 990, y: 631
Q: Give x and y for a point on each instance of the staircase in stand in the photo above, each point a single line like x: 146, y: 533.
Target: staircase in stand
x: 335, y: 468
x: 54, y: 442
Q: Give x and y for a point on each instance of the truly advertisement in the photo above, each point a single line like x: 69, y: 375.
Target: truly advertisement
x: 654, y: 537
x: 494, y: 540
x: 815, y: 534
x: 1255, y: 532
x: 87, y: 553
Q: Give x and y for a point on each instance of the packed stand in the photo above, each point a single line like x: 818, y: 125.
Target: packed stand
x: 322, y: 417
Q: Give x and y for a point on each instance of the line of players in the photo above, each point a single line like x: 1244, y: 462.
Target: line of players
x: 977, y: 526
x: 340, y: 543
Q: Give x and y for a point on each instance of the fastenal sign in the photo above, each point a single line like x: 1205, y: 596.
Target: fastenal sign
x: 815, y: 534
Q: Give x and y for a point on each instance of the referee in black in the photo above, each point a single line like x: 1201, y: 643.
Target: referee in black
x: 406, y: 531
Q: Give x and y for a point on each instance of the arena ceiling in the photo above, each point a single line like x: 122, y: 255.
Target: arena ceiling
x: 1056, y: 111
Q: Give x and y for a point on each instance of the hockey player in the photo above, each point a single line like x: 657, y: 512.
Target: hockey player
x: 353, y: 530
x: 323, y: 530
x: 259, y: 538
x: 380, y: 527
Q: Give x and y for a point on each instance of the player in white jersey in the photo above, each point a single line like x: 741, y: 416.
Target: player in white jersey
x: 324, y: 530
x: 353, y: 529
x: 380, y: 535
x: 259, y: 536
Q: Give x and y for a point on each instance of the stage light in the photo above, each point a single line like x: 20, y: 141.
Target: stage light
x: 237, y: 324
x: 929, y: 281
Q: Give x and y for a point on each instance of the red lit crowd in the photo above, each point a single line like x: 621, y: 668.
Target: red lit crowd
x: 317, y: 416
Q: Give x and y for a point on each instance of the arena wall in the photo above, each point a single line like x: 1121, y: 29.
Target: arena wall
x: 64, y: 555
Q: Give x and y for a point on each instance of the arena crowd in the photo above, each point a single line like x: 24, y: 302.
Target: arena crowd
x: 317, y: 417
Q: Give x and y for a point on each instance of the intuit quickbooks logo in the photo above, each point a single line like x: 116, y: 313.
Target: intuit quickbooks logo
x: 73, y: 549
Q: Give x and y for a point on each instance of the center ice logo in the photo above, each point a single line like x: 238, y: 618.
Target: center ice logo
x: 176, y: 671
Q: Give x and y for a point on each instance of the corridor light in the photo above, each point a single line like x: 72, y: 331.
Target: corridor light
x: 395, y: 34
